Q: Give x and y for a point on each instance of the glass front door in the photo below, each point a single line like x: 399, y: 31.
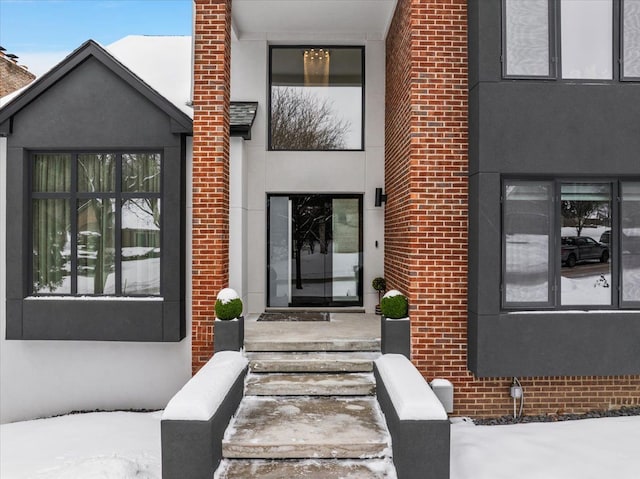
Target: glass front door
x: 314, y: 250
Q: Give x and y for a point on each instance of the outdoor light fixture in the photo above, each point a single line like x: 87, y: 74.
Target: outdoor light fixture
x: 380, y: 197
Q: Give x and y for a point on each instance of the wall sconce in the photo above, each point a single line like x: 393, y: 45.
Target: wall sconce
x: 380, y: 197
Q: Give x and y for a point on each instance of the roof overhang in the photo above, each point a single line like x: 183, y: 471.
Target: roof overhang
x: 309, y: 20
x: 180, y: 122
x: 241, y: 117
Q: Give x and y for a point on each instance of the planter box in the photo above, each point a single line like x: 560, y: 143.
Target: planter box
x: 228, y: 335
x: 396, y: 336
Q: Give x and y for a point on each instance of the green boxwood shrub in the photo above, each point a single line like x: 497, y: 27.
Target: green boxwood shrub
x: 379, y: 284
x: 228, y: 305
x: 394, y: 305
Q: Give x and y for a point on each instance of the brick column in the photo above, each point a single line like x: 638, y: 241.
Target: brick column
x: 426, y: 216
x: 426, y: 179
x: 210, y: 241
x: 438, y: 187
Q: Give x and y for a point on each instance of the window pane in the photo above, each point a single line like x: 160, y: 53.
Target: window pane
x: 345, y: 224
x: 316, y: 98
x: 587, y: 39
x: 527, y: 37
x: 527, y: 229
x: 141, y: 246
x: 96, y: 173
x: 280, y: 251
x: 96, y: 243
x: 51, y: 247
x: 631, y: 39
x: 586, y: 217
x: 51, y: 173
x: 141, y: 172
x: 630, y: 241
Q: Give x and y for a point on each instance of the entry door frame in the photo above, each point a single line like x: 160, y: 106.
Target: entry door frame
x: 329, y: 196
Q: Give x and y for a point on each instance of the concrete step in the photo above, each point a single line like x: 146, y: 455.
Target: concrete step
x: 311, y: 362
x: 310, y: 384
x: 279, y: 344
x: 307, y: 469
x: 314, y: 428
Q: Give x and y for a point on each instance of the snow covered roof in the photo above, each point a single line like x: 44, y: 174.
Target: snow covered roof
x: 162, y: 62
x: 136, y: 57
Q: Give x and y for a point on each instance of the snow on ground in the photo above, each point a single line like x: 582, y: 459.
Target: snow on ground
x: 124, y: 445
x: 117, y: 445
x: 584, y: 449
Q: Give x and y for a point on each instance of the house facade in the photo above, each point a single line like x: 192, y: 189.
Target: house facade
x: 495, y: 139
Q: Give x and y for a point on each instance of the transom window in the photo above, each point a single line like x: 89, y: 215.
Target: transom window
x: 569, y: 244
x: 96, y: 223
x: 572, y: 39
x: 316, y: 98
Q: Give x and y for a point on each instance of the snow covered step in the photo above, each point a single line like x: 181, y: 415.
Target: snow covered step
x: 311, y: 362
x: 278, y: 344
x: 307, y: 469
x: 310, y: 384
x: 298, y: 428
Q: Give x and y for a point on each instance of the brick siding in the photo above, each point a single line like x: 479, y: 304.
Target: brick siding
x: 210, y: 240
x: 426, y: 216
x: 13, y: 76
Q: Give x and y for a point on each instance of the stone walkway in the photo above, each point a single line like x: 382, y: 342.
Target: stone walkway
x: 309, y: 409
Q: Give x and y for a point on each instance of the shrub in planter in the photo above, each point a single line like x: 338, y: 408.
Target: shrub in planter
x: 395, y: 327
x: 228, y: 304
x: 379, y: 284
x: 394, y: 305
x: 228, y: 335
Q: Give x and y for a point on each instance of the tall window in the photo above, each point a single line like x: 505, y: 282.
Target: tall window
x: 96, y: 223
x: 526, y: 242
x: 527, y: 39
x: 571, y: 39
x: 631, y: 39
x: 586, y: 39
x: 567, y: 244
x: 316, y: 98
x: 630, y: 242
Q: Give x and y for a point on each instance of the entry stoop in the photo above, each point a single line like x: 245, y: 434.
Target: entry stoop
x: 295, y: 428
x: 304, y: 469
x: 311, y: 384
x: 309, y: 409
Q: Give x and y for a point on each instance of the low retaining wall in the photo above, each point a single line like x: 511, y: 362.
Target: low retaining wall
x: 418, y: 424
x: 195, y: 420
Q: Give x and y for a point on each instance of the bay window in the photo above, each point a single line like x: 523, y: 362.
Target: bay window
x: 570, y: 244
x: 96, y: 224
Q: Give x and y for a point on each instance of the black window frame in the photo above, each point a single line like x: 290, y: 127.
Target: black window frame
x: 327, y: 47
x: 553, y: 56
x: 73, y: 196
x: 554, y: 286
x: 623, y: 77
x: 555, y: 47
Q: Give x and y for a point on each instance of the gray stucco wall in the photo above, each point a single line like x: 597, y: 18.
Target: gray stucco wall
x: 91, y: 108
x: 529, y: 129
